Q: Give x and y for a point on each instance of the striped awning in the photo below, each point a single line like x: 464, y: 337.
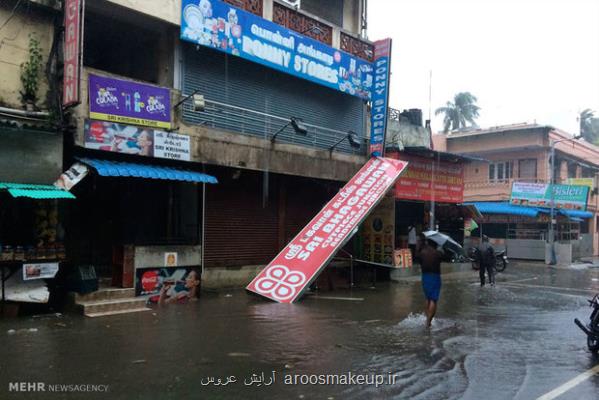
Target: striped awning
x: 127, y: 169
x: 34, y: 191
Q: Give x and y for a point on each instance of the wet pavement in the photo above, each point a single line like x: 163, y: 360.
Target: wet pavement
x: 514, y: 341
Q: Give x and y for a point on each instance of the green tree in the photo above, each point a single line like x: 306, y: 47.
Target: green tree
x: 586, y: 128
x: 458, y: 113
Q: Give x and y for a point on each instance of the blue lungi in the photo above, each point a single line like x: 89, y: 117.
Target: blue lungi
x: 431, y: 284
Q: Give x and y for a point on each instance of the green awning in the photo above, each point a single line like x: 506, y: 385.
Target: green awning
x: 34, y: 191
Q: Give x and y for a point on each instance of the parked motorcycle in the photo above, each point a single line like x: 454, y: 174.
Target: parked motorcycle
x: 501, y: 260
x: 592, y: 328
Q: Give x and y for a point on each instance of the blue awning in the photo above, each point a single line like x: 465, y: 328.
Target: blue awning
x: 126, y: 169
x: 511, y: 209
x: 505, y: 208
x: 576, y: 214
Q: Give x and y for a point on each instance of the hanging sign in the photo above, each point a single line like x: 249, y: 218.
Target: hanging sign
x: 137, y: 140
x: 299, y: 263
x: 568, y: 197
x: 218, y: 25
x: 129, y: 102
x: 380, y: 97
x: 73, y: 10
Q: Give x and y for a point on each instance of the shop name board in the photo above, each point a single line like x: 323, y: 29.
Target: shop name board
x: 129, y: 102
x: 419, y: 182
x: 72, y: 52
x: 380, y: 96
x: 569, y: 197
x: 215, y: 24
x: 287, y: 276
x: 136, y: 140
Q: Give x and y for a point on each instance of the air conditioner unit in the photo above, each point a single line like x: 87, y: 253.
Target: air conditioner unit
x: 293, y: 3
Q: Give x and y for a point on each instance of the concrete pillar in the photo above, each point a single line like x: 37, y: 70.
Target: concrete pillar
x: 267, y: 10
x: 579, y: 171
x: 563, y: 172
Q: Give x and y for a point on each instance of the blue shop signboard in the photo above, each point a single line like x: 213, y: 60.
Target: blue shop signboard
x: 217, y: 25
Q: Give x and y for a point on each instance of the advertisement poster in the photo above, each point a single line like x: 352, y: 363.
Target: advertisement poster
x: 287, y: 276
x: 378, y: 232
x: 149, y: 281
x: 72, y: 52
x: 568, y: 197
x: 218, y: 25
x: 170, y: 259
x: 72, y: 176
x: 39, y: 271
x: 416, y: 183
x: 380, y: 96
x: 590, y: 182
x: 127, y: 139
x: 128, y: 102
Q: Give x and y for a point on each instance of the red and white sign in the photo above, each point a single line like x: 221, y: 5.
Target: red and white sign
x: 72, y: 52
x: 298, y: 264
x: 419, y: 178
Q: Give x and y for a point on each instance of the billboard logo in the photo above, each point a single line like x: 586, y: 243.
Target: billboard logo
x: 280, y: 282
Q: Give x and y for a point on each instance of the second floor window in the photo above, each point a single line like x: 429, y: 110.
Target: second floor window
x: 527, y: 169
x: 501, y: 171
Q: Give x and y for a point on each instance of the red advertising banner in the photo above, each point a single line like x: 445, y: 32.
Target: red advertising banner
x: 417, y: 181
x: 298, y: 264
x: 72, y: 52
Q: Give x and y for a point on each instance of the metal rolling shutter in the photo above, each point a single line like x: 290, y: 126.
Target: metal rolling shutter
x: 238, y: 230
x: 241, y: 83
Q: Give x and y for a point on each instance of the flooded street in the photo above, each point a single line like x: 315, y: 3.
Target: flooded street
x: 514, y: 341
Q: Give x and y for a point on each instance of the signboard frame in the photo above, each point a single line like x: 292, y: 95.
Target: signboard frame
x: 73, y: 49
x: 337, y: 222
x: 223, y: 27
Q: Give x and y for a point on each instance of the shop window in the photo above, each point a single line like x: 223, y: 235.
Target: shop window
x: 527, y: 169
x: 137, y: 57
x: 572, y: 170
x: 588, y: 172
x: 501, y: 171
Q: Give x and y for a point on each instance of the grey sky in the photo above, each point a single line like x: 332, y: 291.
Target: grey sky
x: 525, y: 60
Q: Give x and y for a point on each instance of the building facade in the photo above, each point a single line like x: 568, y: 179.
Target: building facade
x: 521, y: 153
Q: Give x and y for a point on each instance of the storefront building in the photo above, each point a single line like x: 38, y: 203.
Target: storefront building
x: 520, y: 154
x: 261, y: 97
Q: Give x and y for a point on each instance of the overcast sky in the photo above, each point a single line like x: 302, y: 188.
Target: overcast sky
x: 525, y: 60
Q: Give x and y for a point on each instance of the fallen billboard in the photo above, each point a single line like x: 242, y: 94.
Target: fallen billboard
x: 299, y: 263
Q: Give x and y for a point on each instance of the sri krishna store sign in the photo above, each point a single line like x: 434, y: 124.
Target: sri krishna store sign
x: 128, y: 102
x: 568, y: 197
x: 215, y: 24
x: 136, y: 140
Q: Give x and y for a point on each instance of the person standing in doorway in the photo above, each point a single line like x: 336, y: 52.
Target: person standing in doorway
x: 486, y: 256
x: 430, y: 265
x: 412, y: 240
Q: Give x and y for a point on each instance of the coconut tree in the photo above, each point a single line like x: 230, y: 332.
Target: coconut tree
x: 458, y: 113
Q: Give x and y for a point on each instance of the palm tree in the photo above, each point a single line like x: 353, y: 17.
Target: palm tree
x: 585, y: 118
x: 462, y: 110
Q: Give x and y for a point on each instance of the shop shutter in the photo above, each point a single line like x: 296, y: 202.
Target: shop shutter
x: 234, y: 81
x: 239, y: 231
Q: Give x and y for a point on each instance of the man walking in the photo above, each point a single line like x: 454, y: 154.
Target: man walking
x: 412, y: 240
x: 486, y: 255
x: 430, y: 264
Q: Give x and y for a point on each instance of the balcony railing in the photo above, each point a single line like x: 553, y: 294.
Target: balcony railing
x: 254, y: 123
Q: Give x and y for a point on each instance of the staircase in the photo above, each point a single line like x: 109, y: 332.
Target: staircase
x: 109, y: 301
